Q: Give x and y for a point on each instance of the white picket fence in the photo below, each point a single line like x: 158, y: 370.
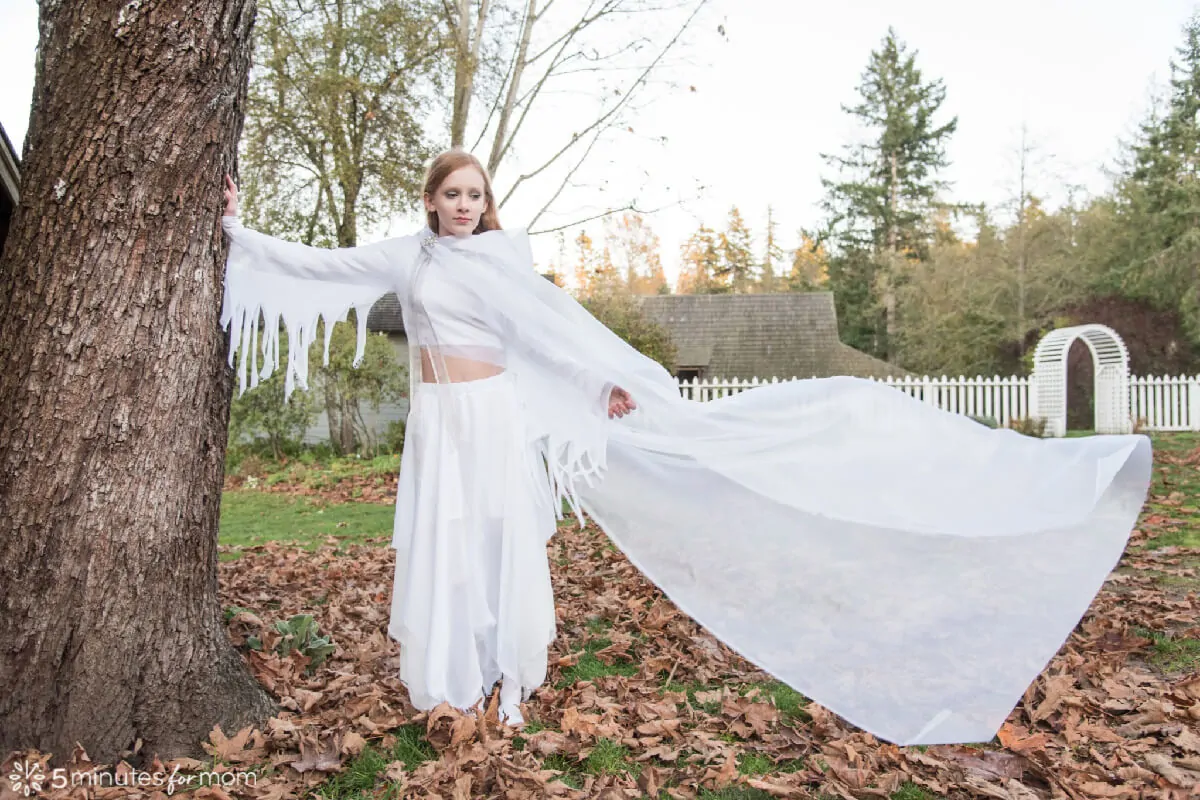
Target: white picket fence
x: 1161, y: 403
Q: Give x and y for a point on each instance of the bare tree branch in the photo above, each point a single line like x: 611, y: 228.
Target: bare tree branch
x: 602, y: 121
x: 607, y: 213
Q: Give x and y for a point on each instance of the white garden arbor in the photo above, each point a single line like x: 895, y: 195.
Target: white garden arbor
x: 1049, y: 389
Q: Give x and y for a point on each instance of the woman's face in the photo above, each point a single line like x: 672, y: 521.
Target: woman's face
x: 459, y: 202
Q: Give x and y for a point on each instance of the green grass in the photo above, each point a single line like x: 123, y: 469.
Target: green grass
x: 317, y: 475
x: 411, y: 747
x: 589, y: 668
x: 1174, y: 493
x: 1186, y: 536
x: 610, y: 758
x: 755, y: 764
x: 571, y: 772
x: 251, y: 518
x: 607, y: 758
x: 310, y: 470
x: 360, y: 776
x: 910, y: 791
x: 735, y: 793
x: 789, y: 702
x: 690, y: 689
x: 1171, y: 653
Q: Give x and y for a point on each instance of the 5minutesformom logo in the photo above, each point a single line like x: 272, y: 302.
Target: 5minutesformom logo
x: 27, y: 778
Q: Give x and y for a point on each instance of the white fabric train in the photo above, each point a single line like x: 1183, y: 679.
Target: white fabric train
x: 907, y: 568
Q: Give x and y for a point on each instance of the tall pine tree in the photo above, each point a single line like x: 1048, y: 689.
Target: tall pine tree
x: 701, y: 258
x: 772, y: 261
x: 1158, y: 198
x: 737, y: 271
x: 879, y: 204
x: 810, y: 267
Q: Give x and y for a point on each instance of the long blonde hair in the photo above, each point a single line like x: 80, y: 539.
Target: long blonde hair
x: 440, y: 169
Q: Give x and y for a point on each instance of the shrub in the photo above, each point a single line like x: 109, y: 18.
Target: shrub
x: 261, y: 420
x: 392, y: 440
x: 623, y: 315
x: 1029, y: 426
x: 347, y: 389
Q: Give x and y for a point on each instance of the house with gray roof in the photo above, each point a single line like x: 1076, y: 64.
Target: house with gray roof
x: 785, y: 335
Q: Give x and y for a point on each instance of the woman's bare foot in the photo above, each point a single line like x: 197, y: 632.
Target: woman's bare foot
x: 510, y: 702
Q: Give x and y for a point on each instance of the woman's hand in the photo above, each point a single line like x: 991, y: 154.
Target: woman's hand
x: 620, y: 403
x: 230, y: 197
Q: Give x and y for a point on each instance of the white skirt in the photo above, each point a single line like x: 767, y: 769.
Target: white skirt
x: 472, y: 599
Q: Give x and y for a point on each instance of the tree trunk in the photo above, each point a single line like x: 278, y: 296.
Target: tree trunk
x: 115, y: 392
x: 1020, y: 332
x: 341, y: 423
x: 467, y: 43
x: 501, y: 142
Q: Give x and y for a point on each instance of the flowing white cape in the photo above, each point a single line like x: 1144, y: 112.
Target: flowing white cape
x: 907, y: 568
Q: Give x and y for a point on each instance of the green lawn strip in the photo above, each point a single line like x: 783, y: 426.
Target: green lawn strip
x: 318, y: 475
x: 250, y: 518
x: 300, y: 468
x: 1174, y: 494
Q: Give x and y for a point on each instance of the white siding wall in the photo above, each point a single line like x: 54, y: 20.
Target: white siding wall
x: 378, y: 421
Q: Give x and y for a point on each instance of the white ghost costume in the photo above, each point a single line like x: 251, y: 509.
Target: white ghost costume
x: 907, y: 568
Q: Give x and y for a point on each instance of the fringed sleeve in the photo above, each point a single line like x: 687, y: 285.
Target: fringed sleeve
x: 294, y: 284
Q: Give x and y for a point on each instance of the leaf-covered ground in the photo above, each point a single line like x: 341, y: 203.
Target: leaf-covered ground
x: 642, y: 702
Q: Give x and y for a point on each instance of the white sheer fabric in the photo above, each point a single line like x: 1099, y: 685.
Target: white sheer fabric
x: 907, y: 568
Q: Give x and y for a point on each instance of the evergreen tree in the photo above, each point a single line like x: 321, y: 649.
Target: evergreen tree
x: 772, y: 261
x: 737, y: 269
x: 701, y: 259
x: 810, y: 267
x: 1157, y: 255
x: 880, y: 202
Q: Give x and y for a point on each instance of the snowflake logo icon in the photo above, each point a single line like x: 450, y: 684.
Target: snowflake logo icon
x: 27, y: 778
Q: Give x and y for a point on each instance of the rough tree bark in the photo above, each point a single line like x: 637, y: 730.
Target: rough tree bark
x: 115, y: 393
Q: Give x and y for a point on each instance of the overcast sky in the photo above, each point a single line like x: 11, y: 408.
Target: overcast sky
x: 768, y: 98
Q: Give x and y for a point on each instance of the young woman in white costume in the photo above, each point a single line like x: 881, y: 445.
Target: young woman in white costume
x: 907, y: 568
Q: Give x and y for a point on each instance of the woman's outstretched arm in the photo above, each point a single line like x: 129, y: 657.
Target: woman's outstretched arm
x: 372, y: 265
x: 294, y: 285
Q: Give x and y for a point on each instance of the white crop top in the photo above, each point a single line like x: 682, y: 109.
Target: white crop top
x: 459, y: 326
